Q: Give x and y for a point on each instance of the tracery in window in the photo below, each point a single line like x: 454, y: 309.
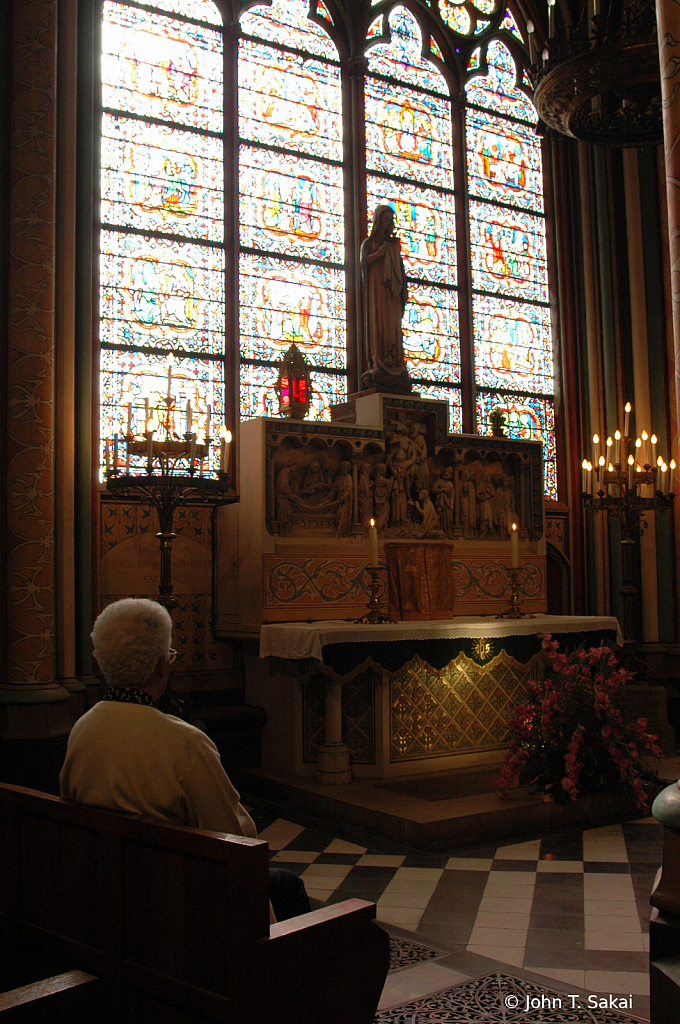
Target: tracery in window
x: 161, y: 243
x: 409, y: 164
x: 291, y: 270
x: 512, y: 336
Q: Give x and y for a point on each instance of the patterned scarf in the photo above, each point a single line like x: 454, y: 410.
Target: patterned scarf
x: 128, y: 695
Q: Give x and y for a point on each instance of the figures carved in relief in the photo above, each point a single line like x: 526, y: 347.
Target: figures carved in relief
x: 408, y: 488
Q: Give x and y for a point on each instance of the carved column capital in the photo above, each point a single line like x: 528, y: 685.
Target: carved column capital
x: 357, y: 66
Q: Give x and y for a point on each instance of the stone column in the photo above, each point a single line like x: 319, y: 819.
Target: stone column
x: 66, y: 626
x: 593, y: 362
x: 32, y: 704
x: 641, y: 398
x: 333, y: 764
x: 668, y: 27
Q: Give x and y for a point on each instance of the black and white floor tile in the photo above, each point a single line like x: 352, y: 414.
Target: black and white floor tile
x: 573, y: 909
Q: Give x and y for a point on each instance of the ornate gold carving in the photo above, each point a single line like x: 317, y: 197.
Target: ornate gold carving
x: 483, y: 648
x: 462, y: 707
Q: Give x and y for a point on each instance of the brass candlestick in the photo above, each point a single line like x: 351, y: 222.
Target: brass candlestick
x: 617, y: 490
x: 514, y: 610
x: 374, y: 614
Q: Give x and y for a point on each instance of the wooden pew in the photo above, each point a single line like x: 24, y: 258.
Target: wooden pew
x: 63, y: 999
x: 175, y: 921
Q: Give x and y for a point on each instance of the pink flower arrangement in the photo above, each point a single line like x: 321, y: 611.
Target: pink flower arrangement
x: 570, y: 737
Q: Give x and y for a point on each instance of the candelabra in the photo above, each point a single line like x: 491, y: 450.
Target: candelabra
x: 617, y: 489
x: 166, y: 473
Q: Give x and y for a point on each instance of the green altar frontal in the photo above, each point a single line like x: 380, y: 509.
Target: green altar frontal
x: 402, y: 698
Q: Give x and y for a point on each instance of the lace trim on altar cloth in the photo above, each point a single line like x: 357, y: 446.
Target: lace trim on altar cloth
x: 296, y: 640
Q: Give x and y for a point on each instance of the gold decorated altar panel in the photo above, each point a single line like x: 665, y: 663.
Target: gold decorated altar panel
x: 460, y: 709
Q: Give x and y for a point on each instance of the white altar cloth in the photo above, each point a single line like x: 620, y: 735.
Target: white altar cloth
x: 296, y: 640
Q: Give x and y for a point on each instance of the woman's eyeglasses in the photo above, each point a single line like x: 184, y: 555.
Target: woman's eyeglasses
x: 172, y: 654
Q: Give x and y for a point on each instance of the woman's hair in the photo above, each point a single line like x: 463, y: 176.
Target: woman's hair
x: 128, y: 639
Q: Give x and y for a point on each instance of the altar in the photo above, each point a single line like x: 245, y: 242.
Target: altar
x: 351, y: 700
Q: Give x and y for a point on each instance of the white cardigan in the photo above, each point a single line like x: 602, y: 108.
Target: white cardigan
x: 133, y: 758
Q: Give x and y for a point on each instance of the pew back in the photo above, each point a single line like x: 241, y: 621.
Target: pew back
x: 175, y: 921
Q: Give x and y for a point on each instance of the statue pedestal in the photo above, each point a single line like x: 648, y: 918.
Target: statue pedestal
x: 377, y: 379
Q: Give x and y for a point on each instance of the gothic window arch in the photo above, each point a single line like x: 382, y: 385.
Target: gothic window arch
x: 447, y: 138
x: 162, y: 253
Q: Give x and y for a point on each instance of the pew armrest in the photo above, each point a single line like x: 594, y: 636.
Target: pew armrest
x: 341, y: 959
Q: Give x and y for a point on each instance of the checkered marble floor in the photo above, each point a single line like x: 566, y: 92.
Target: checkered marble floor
x: 573, y: 908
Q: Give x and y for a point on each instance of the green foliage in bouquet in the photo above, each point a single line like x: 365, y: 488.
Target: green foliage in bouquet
x: 571, y: 738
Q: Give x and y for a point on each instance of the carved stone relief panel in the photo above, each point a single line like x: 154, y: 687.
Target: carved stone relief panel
x: 331, y: 480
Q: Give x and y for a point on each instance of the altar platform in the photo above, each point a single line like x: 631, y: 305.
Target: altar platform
x: 435, y: 811
x: 347, y: 701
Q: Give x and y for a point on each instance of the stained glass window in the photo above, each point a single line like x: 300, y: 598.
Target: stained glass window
x: 162, y: 262
x: 512, y: 334
x: 409, y: 164
x: 292, y: 232
x: 163, y: 291
x: 510, y: 24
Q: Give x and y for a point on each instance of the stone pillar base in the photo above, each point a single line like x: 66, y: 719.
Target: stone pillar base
x: 34, y: 713
x: 333, y: 764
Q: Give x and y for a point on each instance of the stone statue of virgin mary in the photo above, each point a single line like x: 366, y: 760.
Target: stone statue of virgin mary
x: 385, y: 297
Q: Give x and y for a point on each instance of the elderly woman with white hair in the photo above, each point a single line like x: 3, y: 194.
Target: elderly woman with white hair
x: 126, y: 755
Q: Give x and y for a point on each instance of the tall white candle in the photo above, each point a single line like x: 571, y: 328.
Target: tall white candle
x: 654, y: 441
x: 551, y: 4
x: 169, y: 383
x: 628, y: 408
x: 584, y: 476
x: 207, y: 424
x: 146, y: 415
x: 617, y: 447
x: 149, y: 449
x: 373, y: 544
x: 645, y: 448
x: 631, y: 463
x: 530, y: 33
x: 189, y: 417
x: 129, y: 423
x: 225, y: 441
x: 514, y: 547
x: 596, y: 449
x: 671, y: 476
